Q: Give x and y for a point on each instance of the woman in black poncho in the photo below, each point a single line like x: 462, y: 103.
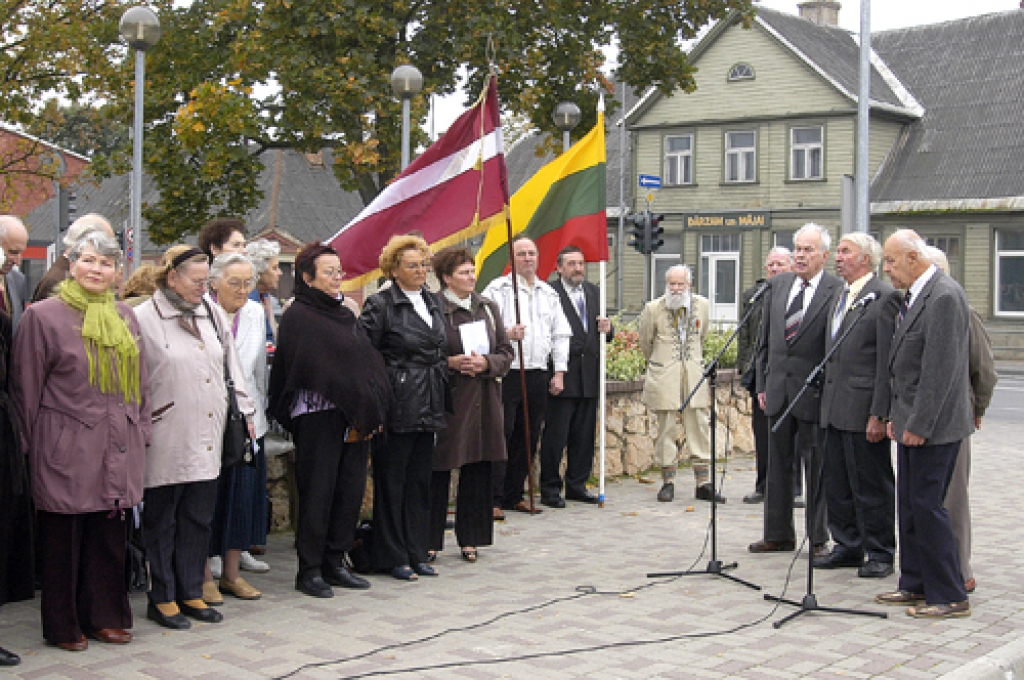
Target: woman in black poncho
x: 328, y: 387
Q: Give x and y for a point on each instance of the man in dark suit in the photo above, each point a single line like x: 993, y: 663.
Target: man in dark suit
x: 780, y: 261
x: 574, y: 410
x: 795, y: 321
x: 13, y: 286
x: 860, y: 487
x: 931, y: 413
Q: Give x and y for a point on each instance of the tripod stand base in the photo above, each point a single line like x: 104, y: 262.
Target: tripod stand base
x: 810, y: 604
x: 714, y: 568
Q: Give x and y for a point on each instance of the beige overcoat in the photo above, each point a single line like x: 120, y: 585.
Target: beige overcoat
x: 188, y: 395
x: 673, y: 369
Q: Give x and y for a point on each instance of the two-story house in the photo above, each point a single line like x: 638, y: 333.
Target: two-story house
x: 768, y: 140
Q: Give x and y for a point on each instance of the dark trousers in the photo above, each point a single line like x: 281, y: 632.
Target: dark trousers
x: 565, y: 416
x: 177, y: 520
x: 762, y: 446
x: 402, y: 467
x: 929, y: 558
x: 508, y: 478
x: 83, y: 576
x: 474, y: 522
x: 795, y: 440
x: 860, y: 489
x: 331, y: 479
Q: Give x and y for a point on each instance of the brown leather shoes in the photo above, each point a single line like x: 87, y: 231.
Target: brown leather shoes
x: 900, y: 598
x: 113, y: 636
x: 772, y: 546
x: 821, y: 551
x: 970, y: 584
x: 79, y: 645
x: 523, y: 506
x: 940, y: 611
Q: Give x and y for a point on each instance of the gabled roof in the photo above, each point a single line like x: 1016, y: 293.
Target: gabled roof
x: 967, y: 152
x: 831, y: 52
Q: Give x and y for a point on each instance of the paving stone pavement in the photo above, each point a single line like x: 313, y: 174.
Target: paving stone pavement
x: 565, y: 595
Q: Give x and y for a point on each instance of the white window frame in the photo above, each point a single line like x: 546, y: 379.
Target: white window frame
x: 737, y: 72
x: 746, y: 158
x: 806, y: 149
x: 997, y: 273
x: 681, y: 159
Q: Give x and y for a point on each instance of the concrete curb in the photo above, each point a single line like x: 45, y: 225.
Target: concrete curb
x: 1005, y: 663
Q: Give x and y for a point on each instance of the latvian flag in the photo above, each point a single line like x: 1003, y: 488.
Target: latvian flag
x: 563, y: 204
x: 455, y: 190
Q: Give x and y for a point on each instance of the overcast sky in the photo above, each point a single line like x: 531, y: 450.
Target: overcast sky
x: 885, y: 15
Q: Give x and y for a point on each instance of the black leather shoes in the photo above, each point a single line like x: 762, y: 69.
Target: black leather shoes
x: 314, y: 586
x: 8, y: 658
x: 207, y: 615
x: 667, y: 492
x: 552, y: 501
x: 581, y: 497
x: 343, y: 578
x: 875, y: 569
x: 754, y: 498
x: 424, y: 569
x: 704, y: 492
x: 176, y: 622
x: 838, y: 560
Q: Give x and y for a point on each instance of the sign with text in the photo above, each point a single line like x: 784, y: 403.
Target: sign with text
x: 749, y: 219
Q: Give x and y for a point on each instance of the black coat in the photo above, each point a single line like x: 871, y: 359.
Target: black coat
x: 749, y: 334
x: 415, y: 356
x: 582, y: 378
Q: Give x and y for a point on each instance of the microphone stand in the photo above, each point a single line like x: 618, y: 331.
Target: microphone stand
x: 715, y: 566
x: 809, y: 603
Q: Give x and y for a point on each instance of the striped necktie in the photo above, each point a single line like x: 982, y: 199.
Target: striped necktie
x: 581, y: 307
x: 904, y: 308
x: 837, y: 321
x: 795, y: 313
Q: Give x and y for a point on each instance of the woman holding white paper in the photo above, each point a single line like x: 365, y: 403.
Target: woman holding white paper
x: 479, y: 353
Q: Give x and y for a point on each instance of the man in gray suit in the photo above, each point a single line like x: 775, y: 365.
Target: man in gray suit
x: 794, y: 324
x: 860, y: 488
x: 931, y: 414
x: 13, y: 286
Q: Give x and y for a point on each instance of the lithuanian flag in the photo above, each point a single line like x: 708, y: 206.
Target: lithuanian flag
x: 563, y: 204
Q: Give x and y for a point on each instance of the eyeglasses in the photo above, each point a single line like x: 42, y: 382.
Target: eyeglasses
x: 198, y: 283
x: 239, y: 284
x: 333, y: 273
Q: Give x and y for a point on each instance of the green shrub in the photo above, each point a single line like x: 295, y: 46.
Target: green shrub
x: 713, y: 342
x: 624, y: 360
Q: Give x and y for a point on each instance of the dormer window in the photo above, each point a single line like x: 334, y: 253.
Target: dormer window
x: 741, y: 72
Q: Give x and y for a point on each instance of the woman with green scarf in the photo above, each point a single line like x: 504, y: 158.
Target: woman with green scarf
x: 80, y: 385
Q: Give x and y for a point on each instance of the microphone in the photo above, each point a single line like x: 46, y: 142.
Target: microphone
x: 758, y: 293
x: 864, y: 301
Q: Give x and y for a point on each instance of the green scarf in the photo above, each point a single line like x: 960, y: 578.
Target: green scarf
x: 109, y: 344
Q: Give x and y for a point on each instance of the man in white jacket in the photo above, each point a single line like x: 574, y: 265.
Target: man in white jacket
x: 545, y: 333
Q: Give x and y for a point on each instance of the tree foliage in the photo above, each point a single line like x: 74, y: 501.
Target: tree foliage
x: 82, y: 128
x: 233, y: 78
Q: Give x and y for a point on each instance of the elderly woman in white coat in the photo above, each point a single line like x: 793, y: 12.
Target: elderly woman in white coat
x: 185, y: 354
x: 240, y: 518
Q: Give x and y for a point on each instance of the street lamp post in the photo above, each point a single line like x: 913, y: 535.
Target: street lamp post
x: 567, y: 116
x: 140, y: 28
x: 406, y: 82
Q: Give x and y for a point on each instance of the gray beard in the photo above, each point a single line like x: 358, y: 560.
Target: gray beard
x: 676, y: 301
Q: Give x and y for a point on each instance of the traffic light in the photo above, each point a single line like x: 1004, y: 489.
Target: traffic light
x: 656, y: 231
x: 638, y: 232
x: 72, y: 206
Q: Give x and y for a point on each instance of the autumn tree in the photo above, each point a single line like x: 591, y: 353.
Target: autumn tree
x: 233, y: 78
x: 83, y: 128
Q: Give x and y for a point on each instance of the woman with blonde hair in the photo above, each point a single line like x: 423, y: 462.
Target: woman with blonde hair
x: 185, y: 352
x: 405, y: 323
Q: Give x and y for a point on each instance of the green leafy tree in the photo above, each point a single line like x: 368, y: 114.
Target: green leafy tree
x: 231, y: 79
x: 82, y: 128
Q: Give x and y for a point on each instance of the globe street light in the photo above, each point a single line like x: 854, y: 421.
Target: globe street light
x: 406, y: 81
x: 140, y: 28
x: 567, y: 116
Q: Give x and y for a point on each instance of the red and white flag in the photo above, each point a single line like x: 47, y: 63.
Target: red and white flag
x: 458, y: 188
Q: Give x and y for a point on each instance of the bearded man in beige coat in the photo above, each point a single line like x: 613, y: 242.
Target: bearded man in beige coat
x: 672, y: 331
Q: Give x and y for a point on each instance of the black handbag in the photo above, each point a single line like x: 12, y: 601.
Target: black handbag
x: 136, y: 567
x: 237, y: 445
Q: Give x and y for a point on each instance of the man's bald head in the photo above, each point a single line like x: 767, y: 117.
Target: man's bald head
x: 14, y: 240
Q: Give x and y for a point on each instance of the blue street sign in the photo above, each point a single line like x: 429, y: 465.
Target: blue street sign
x: 650, y: 181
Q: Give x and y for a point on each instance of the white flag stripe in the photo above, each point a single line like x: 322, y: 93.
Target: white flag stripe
x: 431, y: 176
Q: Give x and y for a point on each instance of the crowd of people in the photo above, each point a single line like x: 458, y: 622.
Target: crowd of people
x: 115, y: 397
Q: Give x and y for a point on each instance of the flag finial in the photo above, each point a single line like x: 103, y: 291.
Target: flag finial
x: 600, y: 103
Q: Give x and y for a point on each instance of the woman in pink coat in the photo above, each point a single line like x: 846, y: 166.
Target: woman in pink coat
x: 81, y: 389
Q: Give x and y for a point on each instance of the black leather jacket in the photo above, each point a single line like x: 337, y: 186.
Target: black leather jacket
x: 415, y: 357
